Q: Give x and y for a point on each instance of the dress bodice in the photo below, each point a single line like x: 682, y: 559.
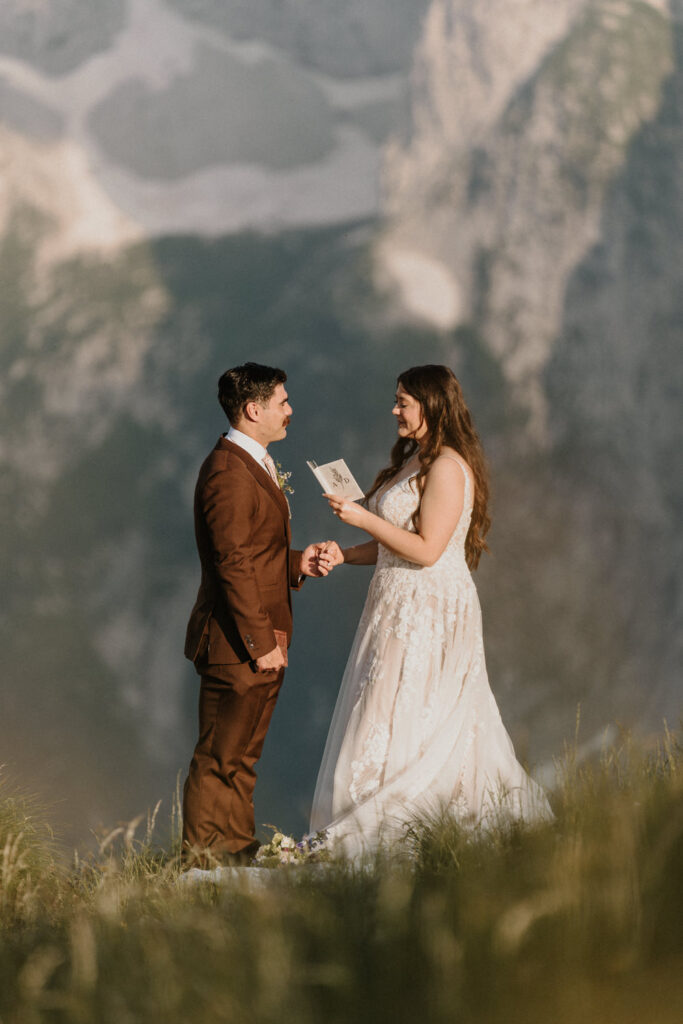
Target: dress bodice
x: 397, y: 502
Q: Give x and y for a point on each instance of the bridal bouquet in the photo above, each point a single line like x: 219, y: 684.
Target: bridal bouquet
x: 284, y: 849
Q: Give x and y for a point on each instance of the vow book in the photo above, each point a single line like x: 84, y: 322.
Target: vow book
x: 336, y: 478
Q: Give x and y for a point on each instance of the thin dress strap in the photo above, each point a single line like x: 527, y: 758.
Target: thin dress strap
x: 468, y: 482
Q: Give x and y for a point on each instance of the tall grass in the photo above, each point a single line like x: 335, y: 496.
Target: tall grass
x: 29, y: 872
x: 578, y: 921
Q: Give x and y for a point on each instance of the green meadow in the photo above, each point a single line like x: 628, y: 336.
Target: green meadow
x: 575, y: 922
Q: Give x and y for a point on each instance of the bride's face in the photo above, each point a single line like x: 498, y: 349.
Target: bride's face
x: 408, y: 413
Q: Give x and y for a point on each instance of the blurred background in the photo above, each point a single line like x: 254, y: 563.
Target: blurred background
x: 343, y: 188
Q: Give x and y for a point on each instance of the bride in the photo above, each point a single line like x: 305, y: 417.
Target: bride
x: 416, y: 727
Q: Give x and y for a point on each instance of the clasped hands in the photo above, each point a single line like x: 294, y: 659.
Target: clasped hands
x: 321, y: 558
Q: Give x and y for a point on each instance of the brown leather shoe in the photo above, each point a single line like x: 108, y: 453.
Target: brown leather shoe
x: 242, y: 859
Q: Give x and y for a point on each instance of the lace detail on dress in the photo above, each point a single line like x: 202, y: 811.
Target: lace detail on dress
x: 397, y: 503
x: 419, y: 605
x: 367, y: 772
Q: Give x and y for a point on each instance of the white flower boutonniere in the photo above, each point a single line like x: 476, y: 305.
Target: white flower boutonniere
x: 283, y: 480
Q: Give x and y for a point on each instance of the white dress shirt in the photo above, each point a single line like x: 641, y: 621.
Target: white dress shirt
x: 248, y: 444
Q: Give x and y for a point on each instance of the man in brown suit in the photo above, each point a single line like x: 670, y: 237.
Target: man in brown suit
x: 248, y: 572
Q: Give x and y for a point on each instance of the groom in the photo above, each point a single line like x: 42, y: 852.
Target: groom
x: 248, y: 569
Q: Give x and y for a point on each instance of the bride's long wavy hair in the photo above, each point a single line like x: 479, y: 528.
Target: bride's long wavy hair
x: 449, y: 423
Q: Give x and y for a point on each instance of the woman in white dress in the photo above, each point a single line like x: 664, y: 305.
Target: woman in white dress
x: 416, y: 727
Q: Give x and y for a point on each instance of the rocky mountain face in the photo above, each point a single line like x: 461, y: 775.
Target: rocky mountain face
x: 538, y: 197
x: 531, y: 237
x: 341, y: 38
x: 57, y: 37
x: 209, y: 117
x: 523, y: 115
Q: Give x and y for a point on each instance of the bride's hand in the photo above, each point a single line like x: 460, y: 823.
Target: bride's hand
x: 348, y: 511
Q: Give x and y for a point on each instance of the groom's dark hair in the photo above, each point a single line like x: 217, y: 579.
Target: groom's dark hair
x: 248, y: 383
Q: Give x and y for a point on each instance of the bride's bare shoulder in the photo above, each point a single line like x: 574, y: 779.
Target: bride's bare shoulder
x: 445, y: 467
x: 450, y: 455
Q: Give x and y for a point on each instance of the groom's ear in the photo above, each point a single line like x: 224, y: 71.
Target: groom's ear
x: 251, y: 412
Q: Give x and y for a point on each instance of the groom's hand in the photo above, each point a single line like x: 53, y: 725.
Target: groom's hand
x: 271, y: 662
x: 311, y: 564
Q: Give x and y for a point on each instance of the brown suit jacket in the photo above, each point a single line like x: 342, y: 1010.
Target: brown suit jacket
x: 243, y: 538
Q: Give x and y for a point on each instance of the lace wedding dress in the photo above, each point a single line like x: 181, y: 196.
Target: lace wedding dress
x: 416, y: 727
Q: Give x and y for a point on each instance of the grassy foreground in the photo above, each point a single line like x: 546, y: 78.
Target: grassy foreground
x: 580, y: 922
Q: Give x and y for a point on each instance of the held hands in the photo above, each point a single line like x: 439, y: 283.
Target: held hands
x: 331, y: 554
x: 321, y: 558
x: 348, y: 511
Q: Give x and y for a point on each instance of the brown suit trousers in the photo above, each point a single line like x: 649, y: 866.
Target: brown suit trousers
x: 218, y: 799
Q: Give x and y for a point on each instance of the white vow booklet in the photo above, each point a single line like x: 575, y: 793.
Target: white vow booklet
x: 336, y: 478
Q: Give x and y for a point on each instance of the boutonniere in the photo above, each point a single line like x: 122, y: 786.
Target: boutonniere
x: 285, y: 486
x: 283, y: 479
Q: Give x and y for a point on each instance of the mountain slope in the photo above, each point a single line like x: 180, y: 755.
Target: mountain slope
x: 539, y: 191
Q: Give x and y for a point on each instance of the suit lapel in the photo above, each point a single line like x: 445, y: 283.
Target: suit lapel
x: 260, y: 474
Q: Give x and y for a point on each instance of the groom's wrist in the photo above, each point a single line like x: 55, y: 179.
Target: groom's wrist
x: 296, y: 569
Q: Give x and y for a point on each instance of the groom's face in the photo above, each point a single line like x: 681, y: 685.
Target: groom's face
x: 274, y: 416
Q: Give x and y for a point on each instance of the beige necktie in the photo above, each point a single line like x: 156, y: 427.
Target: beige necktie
x: 270, y: 466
